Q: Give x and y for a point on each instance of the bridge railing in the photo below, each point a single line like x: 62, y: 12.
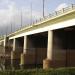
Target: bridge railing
x: 56, y: 13
x: 50, y: 16
x: 53, y: 14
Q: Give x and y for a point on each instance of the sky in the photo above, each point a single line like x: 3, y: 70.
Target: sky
x: 14, y: 13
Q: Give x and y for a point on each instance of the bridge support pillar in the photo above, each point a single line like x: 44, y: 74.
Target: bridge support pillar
x: 22, y: 58
x: 25, y: 44
x: 15, y: 56
x: 47, y: 63
x: 6, y: 52
x: 22, y: 61
x: 14, y: 44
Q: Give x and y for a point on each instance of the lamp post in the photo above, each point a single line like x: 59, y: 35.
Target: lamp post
x: 21, y: 17
x: 6, y: 30
x: 11, y: 27
x: 43, y: 8
x: 31, y: 12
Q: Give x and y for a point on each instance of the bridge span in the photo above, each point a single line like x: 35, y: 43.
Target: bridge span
x: 48, y: 43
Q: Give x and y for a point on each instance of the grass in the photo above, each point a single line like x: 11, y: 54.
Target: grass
x: 51, y: 71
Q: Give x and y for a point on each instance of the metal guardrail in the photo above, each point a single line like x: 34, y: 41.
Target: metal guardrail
x: 52, y: 15
x: 57, y: 13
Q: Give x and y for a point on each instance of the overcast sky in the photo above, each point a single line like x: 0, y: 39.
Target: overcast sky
x: 11, y: 10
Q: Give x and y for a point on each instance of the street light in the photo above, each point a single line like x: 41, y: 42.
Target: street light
x: 31, y: 12
x: 21, y: 17
x: 43, y: 8
x: 11, y: 27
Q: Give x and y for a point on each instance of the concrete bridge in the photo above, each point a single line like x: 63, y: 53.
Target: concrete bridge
x: 47, y: 43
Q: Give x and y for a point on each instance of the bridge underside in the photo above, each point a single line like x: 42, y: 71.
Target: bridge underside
x: 64, y: 47
x: 36, y: 50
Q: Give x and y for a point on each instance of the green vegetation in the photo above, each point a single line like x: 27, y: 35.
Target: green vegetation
x: 58, y: 71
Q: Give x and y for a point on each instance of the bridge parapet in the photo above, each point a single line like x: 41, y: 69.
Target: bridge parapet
x: 50, y: 16
x: 53, y: 18
x: 57, y: 13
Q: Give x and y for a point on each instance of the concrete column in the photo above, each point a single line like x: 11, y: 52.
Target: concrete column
x: 5, y: 41
x: 14, y: 44
x: 13, y: 51
x: 7, y: 52
x: 22, y: 59
x: 25, y: 44
x: 15, y: 60
x: 3, y: 50
x: 14, y: 55
x: 47, y: 63
x: 49, y: 47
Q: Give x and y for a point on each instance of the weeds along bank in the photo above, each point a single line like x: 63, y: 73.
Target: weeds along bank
x: 58, y: 71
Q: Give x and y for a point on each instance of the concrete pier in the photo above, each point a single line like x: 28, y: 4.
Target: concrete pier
x: 47, y: 63
x: 16, y: 52
x: 22, y: 58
